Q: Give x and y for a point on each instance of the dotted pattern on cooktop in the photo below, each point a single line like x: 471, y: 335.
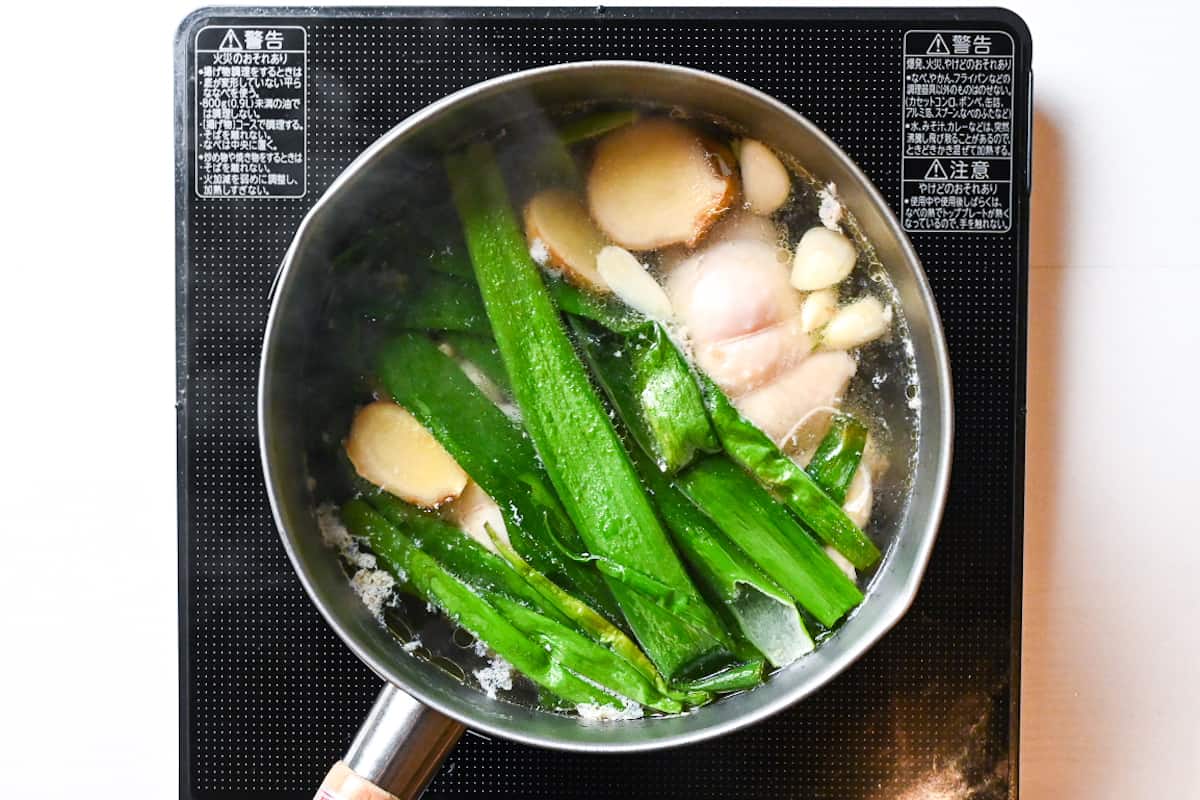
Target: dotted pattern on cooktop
x: 271, y: 697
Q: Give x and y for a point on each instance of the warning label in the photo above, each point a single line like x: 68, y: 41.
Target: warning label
x: 251, y: 114
x: 958, y: 131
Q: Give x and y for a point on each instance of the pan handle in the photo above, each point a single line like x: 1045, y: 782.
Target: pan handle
x: 395, y: 753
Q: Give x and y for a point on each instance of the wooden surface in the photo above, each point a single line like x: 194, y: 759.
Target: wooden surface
x: 1111, y: 652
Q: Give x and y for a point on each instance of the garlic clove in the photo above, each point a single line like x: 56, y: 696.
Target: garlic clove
x: 860, y: 496
x: 817, y: 309
x: 842, y: 562
x: 474, y: 512
x: 862, y: 321
x: 630, y: 281
x: 766, y: 183
x: 823, y: 258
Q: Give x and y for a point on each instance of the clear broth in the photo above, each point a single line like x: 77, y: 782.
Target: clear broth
x: 884, y: 392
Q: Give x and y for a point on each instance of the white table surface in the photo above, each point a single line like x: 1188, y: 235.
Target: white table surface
x: 1111, y: 666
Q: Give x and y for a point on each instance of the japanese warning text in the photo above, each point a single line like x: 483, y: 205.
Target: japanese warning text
x: 958, y: 131
x: 250, y: 112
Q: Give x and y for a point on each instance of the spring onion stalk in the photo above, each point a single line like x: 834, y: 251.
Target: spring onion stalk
x: 495, y: 453
x: 452, y: 260
x: 480, y: 351
x: 530, y: 611
x: 586, y: 658
x: 552, y: 164
x: 535, y: 157
x: 459, y: 554
x: 837, y: 457
x: 652, y: 389
x: 763, y: 611
x: 574, y: 437
x: 377, y: 246
x: 539, y: 155
x: 438, y: 302
x: 606, y: 310
x: 763, y: 529
x: 591, y: 623
x: 755, y: 451
x: 611, y: 313
x: 734, y: 678
x: 595, y: 124
x: 594, y: 624
x: 508, y: 581
x: 467, y: 607
x: 397, y: 248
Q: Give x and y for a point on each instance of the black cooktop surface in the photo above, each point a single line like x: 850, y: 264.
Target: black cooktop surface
x: 932, y: 104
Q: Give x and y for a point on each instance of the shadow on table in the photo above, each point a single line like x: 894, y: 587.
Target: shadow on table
x: 1047, y: 257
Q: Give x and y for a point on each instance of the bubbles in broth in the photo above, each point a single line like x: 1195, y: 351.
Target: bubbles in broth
x: 712, y: 292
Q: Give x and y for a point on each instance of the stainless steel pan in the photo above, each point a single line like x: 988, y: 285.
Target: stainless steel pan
x: 421, y: 710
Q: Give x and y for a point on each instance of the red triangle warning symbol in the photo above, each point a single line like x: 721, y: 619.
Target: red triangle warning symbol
x: 936, y: 171
x: 936, y: 48
x: 230, y: 42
